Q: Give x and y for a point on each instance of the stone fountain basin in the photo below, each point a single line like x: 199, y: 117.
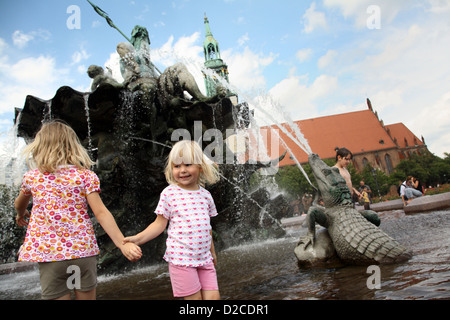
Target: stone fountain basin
x: 421, y: 204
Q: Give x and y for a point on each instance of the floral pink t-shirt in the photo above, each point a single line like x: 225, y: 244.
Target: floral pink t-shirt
x: 59, y: 226
x: 189, y: 212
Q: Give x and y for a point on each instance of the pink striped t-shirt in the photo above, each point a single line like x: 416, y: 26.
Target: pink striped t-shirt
x: 189, y: 212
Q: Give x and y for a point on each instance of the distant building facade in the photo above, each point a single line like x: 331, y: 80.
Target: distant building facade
x: 362, y: 132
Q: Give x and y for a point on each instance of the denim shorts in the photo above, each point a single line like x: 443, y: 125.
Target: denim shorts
x: 59, y: 278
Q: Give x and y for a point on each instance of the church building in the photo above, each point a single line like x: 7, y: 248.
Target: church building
x: 362, y: 132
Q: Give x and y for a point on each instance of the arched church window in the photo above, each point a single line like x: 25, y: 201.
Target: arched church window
x: 389, y: 166
x: 365, y: 162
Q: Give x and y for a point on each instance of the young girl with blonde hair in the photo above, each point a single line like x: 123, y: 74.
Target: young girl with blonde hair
x: 60, y: 233
x: 187, y: 206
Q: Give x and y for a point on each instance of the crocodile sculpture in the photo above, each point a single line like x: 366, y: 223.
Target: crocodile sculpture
x: 355, y: 236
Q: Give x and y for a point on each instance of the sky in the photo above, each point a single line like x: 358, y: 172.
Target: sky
x: 312, y: 58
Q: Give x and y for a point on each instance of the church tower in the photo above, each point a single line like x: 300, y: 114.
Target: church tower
x: 213, y: 61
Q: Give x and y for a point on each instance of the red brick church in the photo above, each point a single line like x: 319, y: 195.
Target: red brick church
x: 362, y: 132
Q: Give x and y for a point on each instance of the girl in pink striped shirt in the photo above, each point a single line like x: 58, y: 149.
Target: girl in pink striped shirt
x: 187, y: 206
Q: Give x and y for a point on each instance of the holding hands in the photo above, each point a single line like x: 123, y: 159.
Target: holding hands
x: 131, y: 239
x: 131, y: 251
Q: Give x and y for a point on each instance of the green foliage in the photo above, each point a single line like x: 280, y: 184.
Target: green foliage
x: 291, y: 180
x: 429, y: 169
x: 376, y: 179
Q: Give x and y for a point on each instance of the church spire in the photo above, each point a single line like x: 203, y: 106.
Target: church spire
x: 210, y: 45
x: 213, y: 60
x: 207, y: 27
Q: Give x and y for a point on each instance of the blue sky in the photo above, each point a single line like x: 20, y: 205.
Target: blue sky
x: 314, y: 58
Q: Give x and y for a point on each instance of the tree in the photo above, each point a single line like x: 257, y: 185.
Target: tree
x: 429, y: 169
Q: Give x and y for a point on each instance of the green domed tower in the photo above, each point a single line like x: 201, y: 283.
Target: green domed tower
x: 213, y: 61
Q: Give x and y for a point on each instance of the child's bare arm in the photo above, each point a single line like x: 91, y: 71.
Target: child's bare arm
x: 151, y: 232
x: 21, y: 204
x: 105, y: 218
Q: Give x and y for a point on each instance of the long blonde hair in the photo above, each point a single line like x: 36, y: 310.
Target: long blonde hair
x: 56, y: 144
x: 189, y: 152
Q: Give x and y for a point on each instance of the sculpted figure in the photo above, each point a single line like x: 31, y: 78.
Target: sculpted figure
x: 99, y: 77
x: 140, y: 73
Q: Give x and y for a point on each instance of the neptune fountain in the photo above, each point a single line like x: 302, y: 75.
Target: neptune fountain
x: 128, y: 128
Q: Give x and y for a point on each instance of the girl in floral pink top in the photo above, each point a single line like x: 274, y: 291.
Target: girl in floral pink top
x: 60, y: 233
x: 187, y: 206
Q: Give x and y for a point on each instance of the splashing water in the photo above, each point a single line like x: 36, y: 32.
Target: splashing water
x: 12, y: 163
x: 88, y: 119
x: 267, y: 106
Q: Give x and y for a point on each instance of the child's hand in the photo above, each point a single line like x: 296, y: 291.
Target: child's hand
x: 213, y: 254
x: 20, y: 218
x: 132, y: 239
x: 131, y: 251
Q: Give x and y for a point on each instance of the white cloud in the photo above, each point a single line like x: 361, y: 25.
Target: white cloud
x: 432, y: 122
x: 243, y: 39
x: 301, y: 100
x: 185, y: 50
x: 357, y: 9
x: 397, y: 46
x: 21, y: 39
x: 304, y: 54
x: 29, y: 76
x: 79, y: 56
x: 112, y: 65
x: 439, y: 6
x: 30, y: 71
x: 96, y: 24
x: 246, y: 68
x: 327, y: 59
x: 3, y: 45
x: 313, y: 19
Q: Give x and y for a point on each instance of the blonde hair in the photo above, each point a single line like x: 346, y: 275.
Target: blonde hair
x: 189, y: 152
x: 56, y: 144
